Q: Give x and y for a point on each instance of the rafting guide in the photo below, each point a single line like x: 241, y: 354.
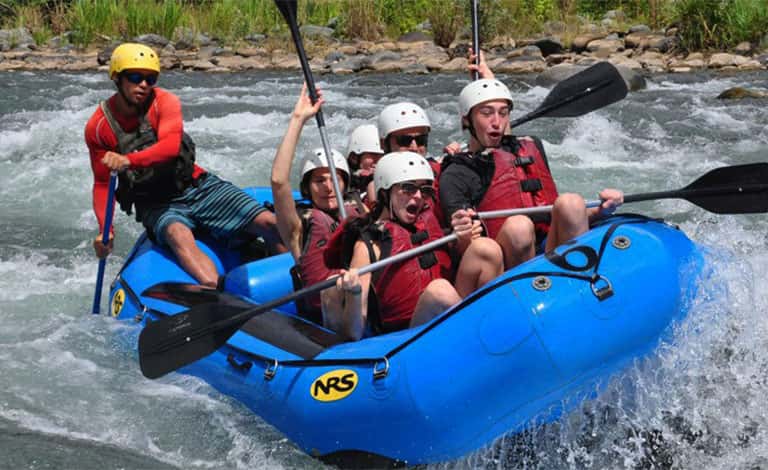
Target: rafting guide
x: 138, y: 132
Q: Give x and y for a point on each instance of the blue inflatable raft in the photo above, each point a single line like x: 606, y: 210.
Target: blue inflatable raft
x: 503, y: 359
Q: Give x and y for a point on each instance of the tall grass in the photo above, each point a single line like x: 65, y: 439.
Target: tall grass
x: 91, y: 17
x: 703, y: 23
x: 446, y: 17
x: 149, y: 17
x: 721, y: 24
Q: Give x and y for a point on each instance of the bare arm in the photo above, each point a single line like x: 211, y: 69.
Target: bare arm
x: 288, y: 221
x: 355, y: 290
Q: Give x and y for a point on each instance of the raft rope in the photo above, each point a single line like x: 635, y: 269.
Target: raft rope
x: 380, y: 365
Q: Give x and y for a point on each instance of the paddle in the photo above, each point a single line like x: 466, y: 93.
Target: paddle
x: 581, y: 93
x: 105, y: 239
x: 288, y: 10
x: 475, y: 39
x: 737, y: 189
x: 175, y: 341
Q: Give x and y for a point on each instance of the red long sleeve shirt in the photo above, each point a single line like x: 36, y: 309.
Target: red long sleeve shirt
x: 164, y: 115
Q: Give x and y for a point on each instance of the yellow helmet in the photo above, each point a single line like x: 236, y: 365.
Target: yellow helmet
x: 133, y: 56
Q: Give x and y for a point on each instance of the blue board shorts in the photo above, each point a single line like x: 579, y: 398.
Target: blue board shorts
x: 215, y: 206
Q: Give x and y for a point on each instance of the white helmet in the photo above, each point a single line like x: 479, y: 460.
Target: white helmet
x: 316, y: 159
x: 480, y: 91
x: 401, y: 116
x: 397, y: 167
x: 364, y: 139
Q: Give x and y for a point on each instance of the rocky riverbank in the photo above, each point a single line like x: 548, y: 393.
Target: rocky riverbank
x: 638, y: 51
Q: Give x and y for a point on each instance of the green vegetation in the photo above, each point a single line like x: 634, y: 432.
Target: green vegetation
x: 703, y: 24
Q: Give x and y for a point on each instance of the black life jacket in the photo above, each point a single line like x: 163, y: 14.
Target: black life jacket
x: 157, y: 183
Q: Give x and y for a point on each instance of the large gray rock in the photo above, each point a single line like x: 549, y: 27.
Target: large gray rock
x: 580, y: 42
x: 350, y: 65
x: 414, y: 36
x: 187, y: 38
x: 606, y: 46
x: 639, y: 28
x: 738, y: 93
x: 312, y: 31
x: 154, y: 41
x: 723, y: 59
x: 553, y: 75
x: 18, y: 38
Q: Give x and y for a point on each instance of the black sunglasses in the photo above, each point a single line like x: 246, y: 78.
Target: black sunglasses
x: 137, y: 77
x: 405, y: 140
x: 410, y: 189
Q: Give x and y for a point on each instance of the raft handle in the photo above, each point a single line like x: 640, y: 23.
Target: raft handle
x: 380, y: 373
x: 604, y: 292
x: 271, y: 370
x: 244, y: 366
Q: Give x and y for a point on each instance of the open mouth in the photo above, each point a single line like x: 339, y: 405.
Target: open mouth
x: 412, y: 209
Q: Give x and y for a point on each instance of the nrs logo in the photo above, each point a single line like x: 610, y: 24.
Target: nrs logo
x: 117, y: 302
x: 334, y: 385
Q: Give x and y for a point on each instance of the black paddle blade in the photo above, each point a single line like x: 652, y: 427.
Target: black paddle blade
x: 177, y: 340
x: 191, y: 295
x: 586, y: 91
x: 738, y: 189
x: 183, y: 294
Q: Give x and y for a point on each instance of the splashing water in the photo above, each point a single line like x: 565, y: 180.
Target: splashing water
x: 72, y: 396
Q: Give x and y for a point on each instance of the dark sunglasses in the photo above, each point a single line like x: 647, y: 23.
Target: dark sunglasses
x: 405, y: 140
x: 410, y: 189
x: 137, y: 77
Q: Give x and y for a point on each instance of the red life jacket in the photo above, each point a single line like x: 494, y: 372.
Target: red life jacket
x: 398, y: 287
x: 435, y: 206
x: 317, y: 228
x: 520, y: 180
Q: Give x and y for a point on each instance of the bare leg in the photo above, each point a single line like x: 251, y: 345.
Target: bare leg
x: 481, y: 262
x: 438, y: 296
x: 332, y: 304
x: 517, y: 239
x: 182, y: 242
x: 265, y: 225
x: 569, y: 220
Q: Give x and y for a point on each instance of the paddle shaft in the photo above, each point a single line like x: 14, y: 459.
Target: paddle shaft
x: 180, y: 340
x: 731, y: 189
x: 105, y: 239
x: 330, y: 282
x: 288, y: 9
x: 475, y: 38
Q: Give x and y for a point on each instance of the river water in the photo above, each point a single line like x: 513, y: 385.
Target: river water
x: 72, y: 395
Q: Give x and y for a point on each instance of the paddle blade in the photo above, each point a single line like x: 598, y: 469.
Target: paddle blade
x: 178, y: 340
x: 586, y: 91
x: 738, y: 189
x: 191, y: 295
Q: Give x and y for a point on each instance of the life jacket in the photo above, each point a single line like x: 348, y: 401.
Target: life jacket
x: 435, y: 206
x: 317, y: 228
x: 521, y: 178
x: 397, y: 287
x: 157, y: 183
